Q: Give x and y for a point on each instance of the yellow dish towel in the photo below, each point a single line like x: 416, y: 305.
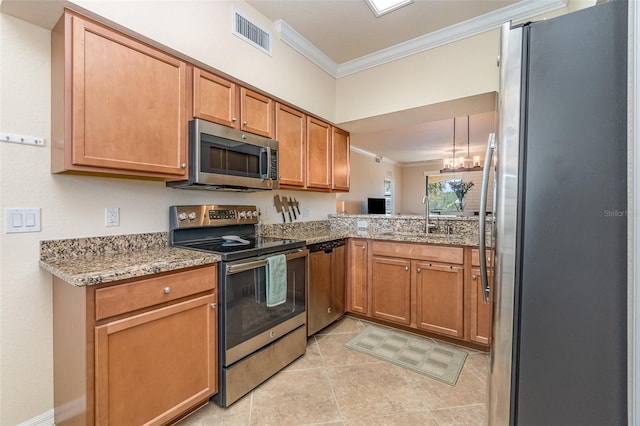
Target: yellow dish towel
x: 276, y: 280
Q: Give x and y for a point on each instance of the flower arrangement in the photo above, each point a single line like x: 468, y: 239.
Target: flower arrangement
x: 460, y: 189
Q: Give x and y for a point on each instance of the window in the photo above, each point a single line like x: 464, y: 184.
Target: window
x: 441, y: 195
x: 388, y: 199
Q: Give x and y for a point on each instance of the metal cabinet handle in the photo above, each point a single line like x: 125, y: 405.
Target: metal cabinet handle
x: 167, y: 290
x: 183, y: 165
x: 245, y: 122
x: 234, y: 119
x: 214, y: 305
x: 364, y: 247
x: 418, y: 270
x: 474, y: 277
x: 406, y: 268
x: 329, y: 310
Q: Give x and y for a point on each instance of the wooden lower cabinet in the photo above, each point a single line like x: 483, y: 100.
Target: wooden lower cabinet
x: 425, y: 287
x: 391, y: 289
x: 480, y: 313
x: 118, y: 362
x: 357, y: 276
x: 440, y: 298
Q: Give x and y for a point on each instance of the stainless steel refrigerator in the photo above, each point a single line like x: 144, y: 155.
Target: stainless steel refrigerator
x: 559, y: 354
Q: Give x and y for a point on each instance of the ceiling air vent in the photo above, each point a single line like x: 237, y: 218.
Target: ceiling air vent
x: 251, y: 33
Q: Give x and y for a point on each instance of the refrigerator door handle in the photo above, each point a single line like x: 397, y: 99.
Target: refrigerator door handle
x: 483, y: 218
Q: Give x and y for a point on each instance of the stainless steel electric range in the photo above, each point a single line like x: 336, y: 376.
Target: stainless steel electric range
x: 256, y: 338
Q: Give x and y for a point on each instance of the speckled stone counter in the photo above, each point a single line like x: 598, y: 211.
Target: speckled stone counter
x: 97, y: 260
x: 459, y: 231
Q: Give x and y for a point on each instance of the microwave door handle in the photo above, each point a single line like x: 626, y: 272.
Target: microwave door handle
x: 265, y: 163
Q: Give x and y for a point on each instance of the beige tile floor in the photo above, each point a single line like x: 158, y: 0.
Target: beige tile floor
x: 333, y: 385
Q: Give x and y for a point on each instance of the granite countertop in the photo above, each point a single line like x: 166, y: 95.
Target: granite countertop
x: 98, y: 260
x: 441, y: 239
x: 319, y: 236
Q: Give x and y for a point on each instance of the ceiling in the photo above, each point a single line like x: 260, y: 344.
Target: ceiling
x: 347, y: 31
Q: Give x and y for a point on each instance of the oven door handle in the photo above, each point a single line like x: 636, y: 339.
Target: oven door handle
x: 255, y: 264
x: 242, y: 267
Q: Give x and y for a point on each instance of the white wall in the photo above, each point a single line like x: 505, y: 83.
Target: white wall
x: 367, y: 180
x: 456, y: 70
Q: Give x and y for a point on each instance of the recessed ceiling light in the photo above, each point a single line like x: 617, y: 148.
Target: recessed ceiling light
x: 380, y: 7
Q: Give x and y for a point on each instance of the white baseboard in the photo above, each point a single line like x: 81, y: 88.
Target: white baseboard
x: 44, y: 419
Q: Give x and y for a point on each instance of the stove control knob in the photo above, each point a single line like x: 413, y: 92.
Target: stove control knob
x: 182, y: 216
x: 192, y: 216
x: 255, y: 213
x: 243, y: 214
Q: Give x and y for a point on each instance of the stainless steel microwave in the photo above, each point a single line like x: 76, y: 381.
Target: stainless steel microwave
x: 222, y: 158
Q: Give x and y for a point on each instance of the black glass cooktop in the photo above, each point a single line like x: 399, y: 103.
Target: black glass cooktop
x: 233, y: 250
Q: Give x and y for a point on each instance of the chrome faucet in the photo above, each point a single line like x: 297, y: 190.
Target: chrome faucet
x: 425, y: 201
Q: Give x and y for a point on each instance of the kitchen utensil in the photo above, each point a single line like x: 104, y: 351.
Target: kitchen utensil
x: 296, y: 205
x: 278, y: 203
x: 286, y: 207
x: 290, y: 205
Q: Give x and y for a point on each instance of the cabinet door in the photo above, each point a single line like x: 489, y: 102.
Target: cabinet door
x: 128, y: 104
x: 214, y: 98
x: 480, y: 313
x: 391, y: 289
x: 337, y: 283
x: 153, y: 366
x: 319, y: 297
x: 439, y: 293
x: 291, y: 136
x: 256, y: 112
x: 340, y: 160
x: 357, y: 284
x: 318, y: 154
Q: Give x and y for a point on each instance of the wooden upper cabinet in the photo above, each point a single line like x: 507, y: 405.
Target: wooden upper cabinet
x: 256, y: 113
x: 221, y: 101
x: 318, y: 154
x: 340, y: 160
x: 118, y: 105
x: 215, y: 99
x: 291, y: 135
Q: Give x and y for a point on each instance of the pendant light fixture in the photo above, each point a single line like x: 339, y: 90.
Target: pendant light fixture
x: 450, y: 166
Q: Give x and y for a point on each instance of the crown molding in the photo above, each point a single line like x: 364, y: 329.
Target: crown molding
x: 306, y: 48
x: 372, y: 155
x: 522, y: 10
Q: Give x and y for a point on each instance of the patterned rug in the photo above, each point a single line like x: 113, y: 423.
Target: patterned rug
x: 423, y: 356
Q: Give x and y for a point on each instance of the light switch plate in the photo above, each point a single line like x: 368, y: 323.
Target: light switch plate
x: 21, y: 220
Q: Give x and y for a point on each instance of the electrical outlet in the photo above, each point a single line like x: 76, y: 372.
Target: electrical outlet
x: 112, y: 216
x: 363, y: 224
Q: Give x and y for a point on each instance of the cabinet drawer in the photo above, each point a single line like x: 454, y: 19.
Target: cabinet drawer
x: 136, y: 295
x: 418, y: 251
x: 475, y: 257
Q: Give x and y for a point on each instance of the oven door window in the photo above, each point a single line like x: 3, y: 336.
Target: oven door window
x: 229, y: 157
x: 245, y: 309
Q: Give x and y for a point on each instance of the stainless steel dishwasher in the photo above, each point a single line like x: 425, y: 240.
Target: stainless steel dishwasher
x: 326, y: 292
